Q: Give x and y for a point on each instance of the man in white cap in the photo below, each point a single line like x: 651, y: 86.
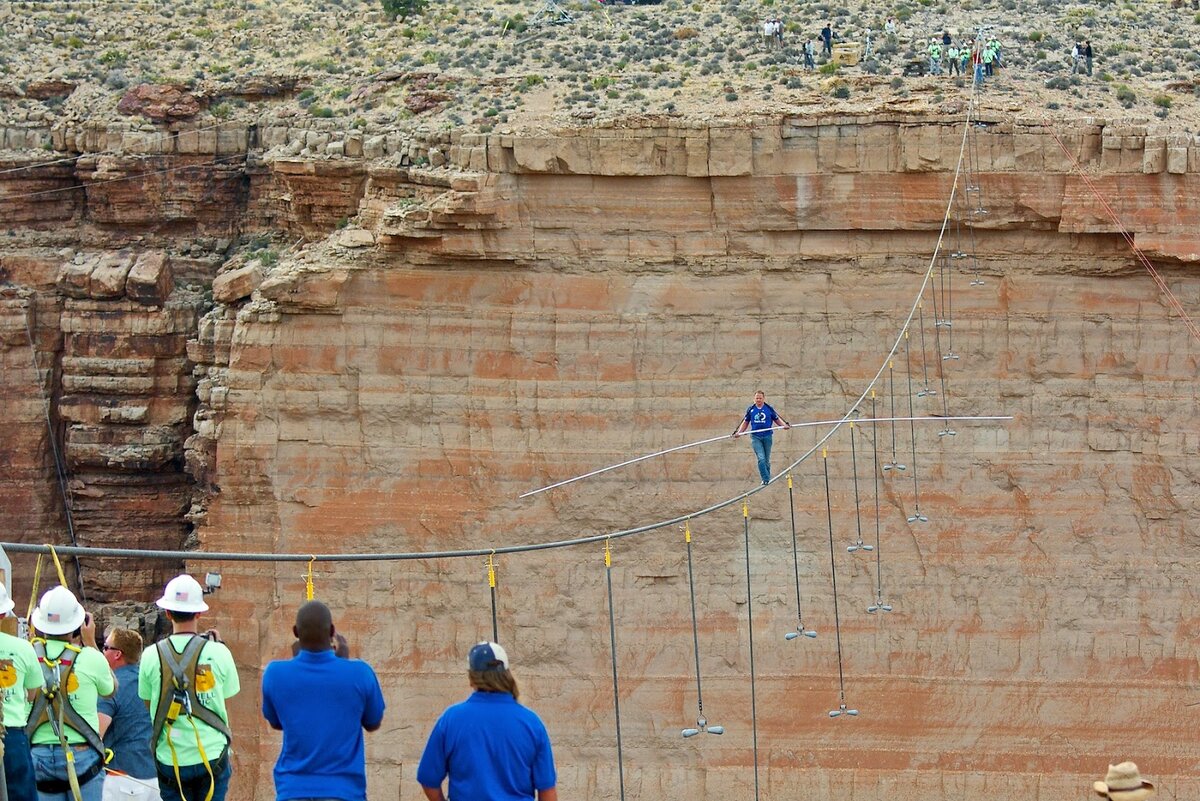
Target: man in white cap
x: 75, y: 675
x: 185, y: 681
x: 20, y: 679
x: 489, y: 746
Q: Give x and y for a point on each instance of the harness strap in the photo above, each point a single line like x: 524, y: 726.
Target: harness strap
x: 53, y: 701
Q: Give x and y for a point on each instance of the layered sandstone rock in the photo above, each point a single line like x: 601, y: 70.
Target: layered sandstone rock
x: 548, y: 303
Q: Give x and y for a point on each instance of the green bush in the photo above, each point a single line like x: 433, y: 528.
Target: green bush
x: 841, y: 92
x: 402, y: 8
x: 828, y: 68
x: 1036, y: 36
x: 1163, y: 101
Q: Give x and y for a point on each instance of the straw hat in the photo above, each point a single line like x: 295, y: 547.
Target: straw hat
x: 1124, y: 783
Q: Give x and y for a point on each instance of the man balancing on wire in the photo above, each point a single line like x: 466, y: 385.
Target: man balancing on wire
x: 761, y: 418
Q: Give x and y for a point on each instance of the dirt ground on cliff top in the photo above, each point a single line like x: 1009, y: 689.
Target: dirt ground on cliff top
x: 476, y: 64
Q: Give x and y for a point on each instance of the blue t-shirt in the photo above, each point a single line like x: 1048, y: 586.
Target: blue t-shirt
x: 322, y: 704
x: 761, y: 420
x: 492, y: 748
x: 128, y: 736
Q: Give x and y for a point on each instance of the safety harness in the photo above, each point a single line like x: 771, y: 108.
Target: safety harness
x: 177, y: 696
x: 53, y: 706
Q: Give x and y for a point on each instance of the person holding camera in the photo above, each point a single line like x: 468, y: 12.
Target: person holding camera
x: 63, y: 728
x: 185, y: 681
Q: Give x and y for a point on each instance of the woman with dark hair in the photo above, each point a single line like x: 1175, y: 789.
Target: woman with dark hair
x: 490, y: 746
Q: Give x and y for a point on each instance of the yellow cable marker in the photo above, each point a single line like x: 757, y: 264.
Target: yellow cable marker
x: 789, y: 480
x: 308, y: 579
x: 491, y: 565
x: 824, y: 453
x: 62, y: 578
x: 687, y: 532
x: 745, y: 509
x: 872, y: 394
x: 608, y: 553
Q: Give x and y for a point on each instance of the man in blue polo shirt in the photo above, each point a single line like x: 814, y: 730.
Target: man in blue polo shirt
x: 491, y: 747
x: 761, y: 418
x: 322, y: 704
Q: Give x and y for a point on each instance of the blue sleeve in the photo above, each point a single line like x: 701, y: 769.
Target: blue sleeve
x: 775, y: 415
x: 544, y: 775
x: 747, y: 417
x: 107, y: 704
x: 268, y: 707
x: 431, y: 771
x: 374, y: 706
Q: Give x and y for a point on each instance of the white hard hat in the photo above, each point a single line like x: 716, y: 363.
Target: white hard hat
x: 6, y: 603
x: 183, y: 594
x: 58, y: 612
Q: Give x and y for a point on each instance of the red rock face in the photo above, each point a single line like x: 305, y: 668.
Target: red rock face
x: 560, y: 303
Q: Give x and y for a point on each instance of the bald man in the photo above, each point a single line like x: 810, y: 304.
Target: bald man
x: 322, y: 704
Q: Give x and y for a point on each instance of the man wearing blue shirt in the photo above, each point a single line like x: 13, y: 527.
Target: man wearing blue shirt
x: 125, y: 724
x: 761, y: 418
x: 322, y: 704
x: 491, y: 747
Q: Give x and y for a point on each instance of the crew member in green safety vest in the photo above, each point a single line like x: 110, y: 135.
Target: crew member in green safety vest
x: 68, y: 754
x: 185, y: 681
x: 935, y: 58
x: 20, y: 680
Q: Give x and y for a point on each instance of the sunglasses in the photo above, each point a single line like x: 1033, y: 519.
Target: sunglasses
x: 107, y: 647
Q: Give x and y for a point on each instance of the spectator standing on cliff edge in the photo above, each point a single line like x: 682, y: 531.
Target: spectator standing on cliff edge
x: 490, y: 746
x: 322, y: 704
x: 125, y: 724
x: 185, y: 681
x: 827, y: 40
x: 761, y: 418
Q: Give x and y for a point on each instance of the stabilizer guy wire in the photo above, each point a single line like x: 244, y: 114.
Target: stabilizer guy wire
x: 701, y: 721
x: 491, y: 576
x: 894, y: 464
x: 1172, y: 300
x: 837, y: 623
x: 612, y: 643
x: 540, y: 546
x: 800, y: 630
x: 912, y: 430
x: 879, y: 605
x: 858, y: 544
x: 750, y: 628
x: 947, y: 430
x: 925, y: 389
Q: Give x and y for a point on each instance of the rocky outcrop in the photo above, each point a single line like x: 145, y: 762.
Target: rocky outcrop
x: 160, y: 102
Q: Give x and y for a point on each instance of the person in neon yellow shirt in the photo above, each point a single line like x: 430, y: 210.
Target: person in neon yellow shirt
x: 20, y: 679
x: 67, y: 651
x: 192, y: 752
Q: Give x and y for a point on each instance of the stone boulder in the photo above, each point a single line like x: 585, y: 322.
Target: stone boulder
x: 238, y: 283
x: 150, y: 282
x: 51, y: 87
x: 108, y: 277
x: 160, y: 102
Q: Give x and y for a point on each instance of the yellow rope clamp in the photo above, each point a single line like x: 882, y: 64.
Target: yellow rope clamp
x: 824, y: 453
x: 491, y: 566
x: 687, y: 532
x: 608, y: 553
x: 308, y: 579
x: 789, y: 480
x: 745, y: 509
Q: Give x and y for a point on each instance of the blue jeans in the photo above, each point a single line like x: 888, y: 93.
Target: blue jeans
x: 50, y: 763
x: 978, y: 74
x: 762, y: 449
x: 18, y: 766
x: 195, y: 780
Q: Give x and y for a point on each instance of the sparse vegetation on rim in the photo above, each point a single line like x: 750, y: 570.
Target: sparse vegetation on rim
x: 377, y: 64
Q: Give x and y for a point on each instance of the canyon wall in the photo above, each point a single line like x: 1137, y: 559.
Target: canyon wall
x: 512, y: 309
